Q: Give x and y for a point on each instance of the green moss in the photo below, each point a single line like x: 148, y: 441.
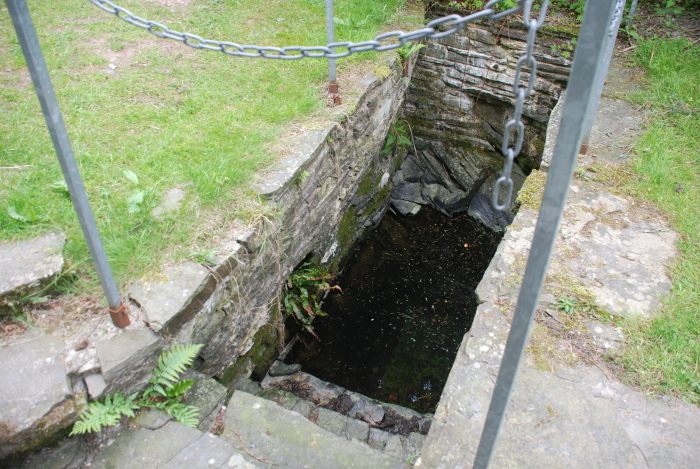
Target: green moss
x: 381, y: 71
x: 368, y: 182
x: 530, y: 196
x: 346, y: 231
x: 266, y: 343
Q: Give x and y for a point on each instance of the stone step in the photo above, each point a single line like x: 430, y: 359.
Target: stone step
x: 274, y: 435
x: 394, y: 430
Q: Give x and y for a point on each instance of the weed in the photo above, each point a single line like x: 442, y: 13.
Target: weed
x: 397, y: 138
x: 408, y: 50
x: 165, y: 392
x: 301, y: 297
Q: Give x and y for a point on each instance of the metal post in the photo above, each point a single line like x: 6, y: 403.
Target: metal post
x: 26, y: 33
x: 630, y: 14
x: 590, y: 118
x: 586, y: 69
x: 330, y: 33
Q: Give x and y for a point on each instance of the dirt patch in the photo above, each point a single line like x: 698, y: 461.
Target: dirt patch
x: 560, y: 339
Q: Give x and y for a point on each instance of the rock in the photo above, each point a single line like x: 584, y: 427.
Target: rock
x: 330, y: 421
x: 208, y: 395
x: 96, y: 385
x: 59, y: 458
x: 309, y: 387
x: 247, y: 385
x: 127, y: 359
x: 453, y: 203
x: 172, y: 198
x: 409, y: 191
x: 377, y: 438
x: 605, y: 336
x: 410, y: 171
x: 151, y: 419
x: 28, y: 265
x: 282, y: 369
x: 425, y: 423
x: 482, y: 209
x: 405, y: 208
x: 36, y: 399
x: 357, y: 430
x: 171, y: 302
x: 367, y: 411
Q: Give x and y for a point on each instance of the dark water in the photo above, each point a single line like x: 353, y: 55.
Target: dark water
x: 408, y: 298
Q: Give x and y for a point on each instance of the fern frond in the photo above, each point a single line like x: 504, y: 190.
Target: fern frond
x: 173, y: 363
x: 103, y: 414
x: 183, y: 413
x: 180, y: 388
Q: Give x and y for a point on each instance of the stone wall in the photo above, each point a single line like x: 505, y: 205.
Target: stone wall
x: 461, y: 97
x: 328, y: 192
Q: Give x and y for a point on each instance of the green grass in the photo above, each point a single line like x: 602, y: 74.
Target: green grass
x: 168, y: 114
x: 663, y: 355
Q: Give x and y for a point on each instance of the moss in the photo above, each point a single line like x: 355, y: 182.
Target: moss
x: 368, y: 182
x: 382, y: 71
x: 266, y: 343
x: 530, y: 196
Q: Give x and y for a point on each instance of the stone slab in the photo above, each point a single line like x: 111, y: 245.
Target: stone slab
x: 291, y: 167
x: 127, y: 359
x: 277, y: 435
x: 27, y: 265
x: 209, y: 452
x: 146, y: 449
x: 168, y: 301
x: 208, y: 395
x: 36, y: 399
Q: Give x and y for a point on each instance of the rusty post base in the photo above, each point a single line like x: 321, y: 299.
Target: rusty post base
x: 584, y: 149
x: 119, y: 316
x: 333, y: 88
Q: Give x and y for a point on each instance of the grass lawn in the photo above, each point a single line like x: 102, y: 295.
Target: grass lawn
x: 663, y: 354
x: 146, y: 115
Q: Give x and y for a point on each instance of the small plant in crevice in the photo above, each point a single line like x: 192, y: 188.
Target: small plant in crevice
x: 304, y: 286
x: 165, y: 392
x: 408, y: 50
x: 565, y: 48
x: 398, y: 137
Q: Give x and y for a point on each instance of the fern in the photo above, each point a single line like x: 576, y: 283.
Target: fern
x: 103, y: 414
x: 171, y: 365
x: 183, y: 413
x: 164, y: 392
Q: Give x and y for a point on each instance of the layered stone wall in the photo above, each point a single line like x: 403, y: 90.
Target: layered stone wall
x: 460, y: 99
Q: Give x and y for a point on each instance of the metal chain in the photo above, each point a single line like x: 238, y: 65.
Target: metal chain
x: 515, y: 124
x: 383, y: 42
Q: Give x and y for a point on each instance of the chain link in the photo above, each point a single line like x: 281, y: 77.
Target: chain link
x: 504, y: 184
x: 383, y: 42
